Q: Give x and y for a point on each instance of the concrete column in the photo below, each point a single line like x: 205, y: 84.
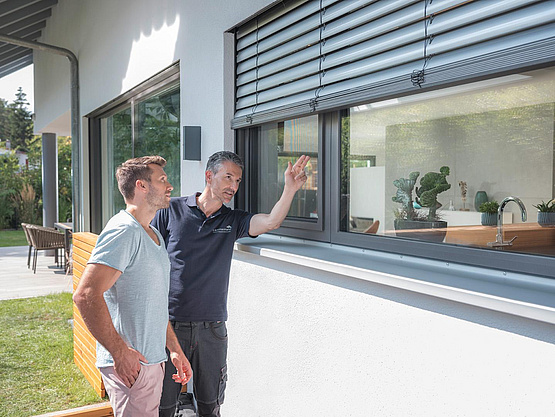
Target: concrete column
x: 49, y: 181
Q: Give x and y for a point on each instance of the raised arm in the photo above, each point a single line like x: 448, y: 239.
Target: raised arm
x: 89, y: 298
x: 295, y: 177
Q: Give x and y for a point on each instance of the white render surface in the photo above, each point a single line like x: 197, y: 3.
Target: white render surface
x: 120, y: 44
x: 310, y: 343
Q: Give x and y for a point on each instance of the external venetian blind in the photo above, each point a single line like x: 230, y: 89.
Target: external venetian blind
x: 306, y: 56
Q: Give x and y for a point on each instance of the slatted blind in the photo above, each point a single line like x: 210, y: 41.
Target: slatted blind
x: 306, y: 56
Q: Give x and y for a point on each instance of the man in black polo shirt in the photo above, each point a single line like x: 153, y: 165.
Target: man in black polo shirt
x: 200, y: 232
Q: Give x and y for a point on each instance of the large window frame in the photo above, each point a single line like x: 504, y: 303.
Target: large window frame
x: 330, y: 135
x: 166, y: 79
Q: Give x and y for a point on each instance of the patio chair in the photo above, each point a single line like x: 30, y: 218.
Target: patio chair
x: 24, y: 227
x: 45, y: 238
x: 373, y: 229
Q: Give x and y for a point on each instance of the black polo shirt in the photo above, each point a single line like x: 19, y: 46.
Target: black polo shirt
x: 200, y: 252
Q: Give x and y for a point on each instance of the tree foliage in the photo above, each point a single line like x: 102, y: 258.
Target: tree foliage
x: 18, y: 122
x: 21, y: 185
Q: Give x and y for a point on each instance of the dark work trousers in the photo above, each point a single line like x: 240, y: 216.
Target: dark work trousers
x: 205, y: 345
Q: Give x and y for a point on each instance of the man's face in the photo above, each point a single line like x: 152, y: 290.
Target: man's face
x: 160, y: 189
x: 225, y: 183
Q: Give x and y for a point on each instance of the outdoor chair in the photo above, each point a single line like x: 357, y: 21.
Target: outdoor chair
x: 28, y: 237
x: 373, y: 229
x: 45, y: 238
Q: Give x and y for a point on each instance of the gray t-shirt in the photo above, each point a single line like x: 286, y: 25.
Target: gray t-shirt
x: 138, y: 301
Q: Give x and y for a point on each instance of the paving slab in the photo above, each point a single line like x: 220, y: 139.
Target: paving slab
x: 18, y: 281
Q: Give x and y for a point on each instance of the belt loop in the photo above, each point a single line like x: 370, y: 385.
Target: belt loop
x: 206, y: 324
x: 175, y: 324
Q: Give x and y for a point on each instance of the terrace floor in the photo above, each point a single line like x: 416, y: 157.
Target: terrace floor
x: 17, y: 281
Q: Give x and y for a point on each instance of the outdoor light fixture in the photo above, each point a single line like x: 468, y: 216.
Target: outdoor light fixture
x: 191, y: 143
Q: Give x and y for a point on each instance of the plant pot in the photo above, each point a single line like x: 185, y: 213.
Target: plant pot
x: 546, y: 219
x: 424, y: 230
x: 489, y: 219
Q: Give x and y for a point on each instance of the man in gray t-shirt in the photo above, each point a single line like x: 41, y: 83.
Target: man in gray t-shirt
x: 123, y: 295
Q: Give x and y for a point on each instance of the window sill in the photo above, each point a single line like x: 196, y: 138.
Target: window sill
x: 508, y: 292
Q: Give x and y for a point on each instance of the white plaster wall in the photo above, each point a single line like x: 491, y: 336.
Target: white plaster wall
x: 120, y: 44
x: 308, y: 343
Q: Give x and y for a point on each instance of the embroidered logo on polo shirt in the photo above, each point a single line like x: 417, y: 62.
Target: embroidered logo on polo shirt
x: 226, y: 229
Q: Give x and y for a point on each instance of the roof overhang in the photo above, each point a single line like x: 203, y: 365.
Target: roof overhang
x: 24, y: 19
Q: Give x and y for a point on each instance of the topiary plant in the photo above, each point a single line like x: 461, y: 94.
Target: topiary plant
x: 404, y: 196
x: 431, y: 185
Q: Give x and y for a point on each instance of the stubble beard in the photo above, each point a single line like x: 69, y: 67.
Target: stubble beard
x: 157, y: 202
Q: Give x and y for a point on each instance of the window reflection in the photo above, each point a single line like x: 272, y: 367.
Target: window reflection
x: 281, y: 143
x: 154, y: 130
x: 452, y: 150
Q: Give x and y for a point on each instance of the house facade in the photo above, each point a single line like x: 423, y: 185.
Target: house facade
x: 382, y: 293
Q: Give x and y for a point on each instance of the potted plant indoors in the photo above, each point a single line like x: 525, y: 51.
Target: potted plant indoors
x: 489, y: 213
x: 418, y: 224
x: 546, y: 213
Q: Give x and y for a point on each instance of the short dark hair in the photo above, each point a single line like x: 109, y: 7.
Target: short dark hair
x: 135, y: 169
x: 216, y: 160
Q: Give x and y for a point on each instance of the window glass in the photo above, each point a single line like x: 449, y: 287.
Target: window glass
x: 149, y: 126
x: 158, y: 132
x: 420, y: 166
x: 281, y: 143
x: 120, y: 142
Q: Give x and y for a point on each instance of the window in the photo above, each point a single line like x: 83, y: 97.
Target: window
x: 143, y: 121
x: 150, y: 126
x: 486, y: 140
x: 281, y: 143
x: 439, y: 155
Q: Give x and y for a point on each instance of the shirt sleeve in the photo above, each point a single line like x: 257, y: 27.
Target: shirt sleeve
x: 243, y: 221
x: 160, y: 222
x: 116, y: 248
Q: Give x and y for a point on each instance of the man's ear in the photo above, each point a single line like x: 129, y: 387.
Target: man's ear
x: 141, y: 186
x: 208, y: 176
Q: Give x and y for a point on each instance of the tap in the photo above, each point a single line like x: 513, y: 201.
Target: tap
x: 499, y: 242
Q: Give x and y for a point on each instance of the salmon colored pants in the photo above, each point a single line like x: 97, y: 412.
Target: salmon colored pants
x: 142, y: 399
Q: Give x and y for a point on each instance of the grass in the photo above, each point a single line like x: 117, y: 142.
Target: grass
x: 37, y: 373
x: 12, y: 238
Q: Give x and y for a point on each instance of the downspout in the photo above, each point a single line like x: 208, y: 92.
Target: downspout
x: 76, y: 163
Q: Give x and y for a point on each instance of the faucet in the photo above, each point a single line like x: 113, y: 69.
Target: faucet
x: 499, y: 242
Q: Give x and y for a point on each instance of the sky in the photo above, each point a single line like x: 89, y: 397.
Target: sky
x: 22, y: 78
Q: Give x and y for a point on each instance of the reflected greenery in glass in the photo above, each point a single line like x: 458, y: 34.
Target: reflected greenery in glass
x: 119, y: 131
x: 158, y: 132
x: 155, y: 132
x: 285, y: 142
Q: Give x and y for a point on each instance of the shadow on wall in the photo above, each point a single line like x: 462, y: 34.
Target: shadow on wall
x: 513, y: 324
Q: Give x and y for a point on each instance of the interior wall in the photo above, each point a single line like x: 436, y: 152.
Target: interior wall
x: 310, y: 343
x: 493, y: 151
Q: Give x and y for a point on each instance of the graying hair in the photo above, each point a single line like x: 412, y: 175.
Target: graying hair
x: 216, y: 161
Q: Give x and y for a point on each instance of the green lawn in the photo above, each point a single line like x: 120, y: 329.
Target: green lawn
x: 12, y: 238
x: 37, y: 373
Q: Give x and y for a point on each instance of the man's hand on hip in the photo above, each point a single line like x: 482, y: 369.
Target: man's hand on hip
x: 127, y: 365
